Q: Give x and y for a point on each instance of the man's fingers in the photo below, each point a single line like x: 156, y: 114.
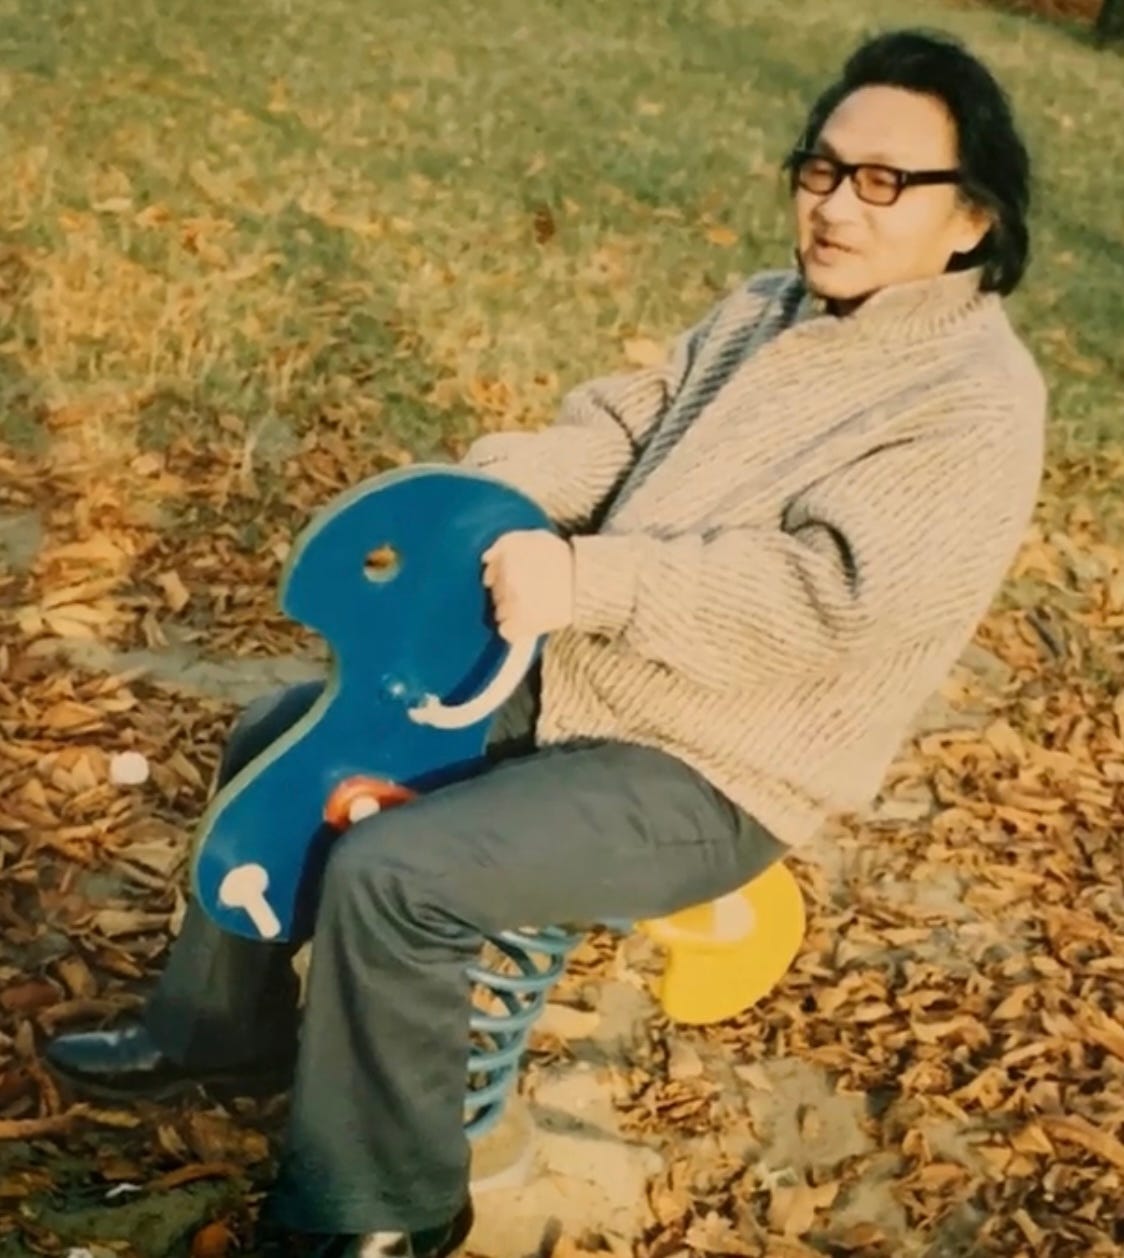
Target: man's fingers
x: 508, y: 618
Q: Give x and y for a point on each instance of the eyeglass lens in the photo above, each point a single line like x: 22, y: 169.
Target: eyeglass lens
x: 875, y: 184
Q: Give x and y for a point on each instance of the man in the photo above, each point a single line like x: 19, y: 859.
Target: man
x: 775, y: 546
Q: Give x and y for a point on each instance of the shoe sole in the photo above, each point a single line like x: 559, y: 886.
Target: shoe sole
x: 221, y: 1087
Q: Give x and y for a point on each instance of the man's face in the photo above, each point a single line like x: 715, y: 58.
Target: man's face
x: 848, y: 248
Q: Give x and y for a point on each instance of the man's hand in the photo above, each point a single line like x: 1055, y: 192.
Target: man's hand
x: 530, y: 573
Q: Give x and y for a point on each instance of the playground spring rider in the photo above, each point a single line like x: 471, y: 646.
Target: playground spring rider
x: 389, y: 573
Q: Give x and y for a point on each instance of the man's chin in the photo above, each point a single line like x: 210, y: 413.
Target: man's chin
x: 831, y: 284
x: 840, y: 292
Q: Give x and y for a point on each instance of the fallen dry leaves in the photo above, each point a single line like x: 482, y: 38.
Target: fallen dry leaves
x: 962, y: 971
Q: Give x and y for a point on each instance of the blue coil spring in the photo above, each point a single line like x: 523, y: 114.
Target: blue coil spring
x: 537, y: 960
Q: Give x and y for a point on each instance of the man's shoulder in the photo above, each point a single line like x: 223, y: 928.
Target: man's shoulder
x: 1001, y: 365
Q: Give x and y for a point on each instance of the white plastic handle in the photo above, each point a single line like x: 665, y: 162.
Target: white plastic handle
x: 457, y: 716
x: 244, y: 888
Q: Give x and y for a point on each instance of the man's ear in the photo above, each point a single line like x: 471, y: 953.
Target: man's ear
x: 975, y: 223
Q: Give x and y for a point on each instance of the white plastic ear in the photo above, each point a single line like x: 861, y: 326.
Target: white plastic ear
x: 458, y: 716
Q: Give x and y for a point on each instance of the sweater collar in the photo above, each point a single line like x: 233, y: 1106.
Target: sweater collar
x: 917, y: 308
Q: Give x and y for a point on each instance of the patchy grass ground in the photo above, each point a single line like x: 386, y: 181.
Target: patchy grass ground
x: 250, y: 255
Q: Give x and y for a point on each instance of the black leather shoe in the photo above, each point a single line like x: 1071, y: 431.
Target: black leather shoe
x: 440, y: 1242
x: 444, y: 1241
x: 124, y: 1064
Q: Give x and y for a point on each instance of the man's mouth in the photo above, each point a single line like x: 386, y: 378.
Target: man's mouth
x: 828, y: 245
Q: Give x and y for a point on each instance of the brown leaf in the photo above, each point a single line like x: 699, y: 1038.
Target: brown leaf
x: 195, y: 1171
x: 1032, y: 1139
x: 49, y: 1100
x: 86, y: 1009
x: 215, y: 1138
x: 1029, y: 1228
x: 861, y: 1238
x: 94, y: 550
x: 113, y: 923
x: 1014, y: 1006
x: 69, y: 716
x: 28, y: 996
x: 75, y: 973
x: 80, y: 593
x: 997, y: 1157
x: 94, y: 616
x: 171, y: 1142
x: 717, y: 1235
x: 669, y: 1200
x: 36, y: 1128
x: 123, y: 1120
x: 967, y: 1029
x: 871, y: 1011
x: 176, y: 594
x: 1103, y: 1030
x: 1004, y: 740
x: 792, y: 1211
x: 15, y: 1085
x: 182, y: 767
x: 215, y: 1240
x: 939, y: 1176
x: 543, y: 225
x: 724, y: 237
x: 1073, y: 1129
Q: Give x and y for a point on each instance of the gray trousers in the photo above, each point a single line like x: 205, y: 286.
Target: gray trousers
x: 580, y: 834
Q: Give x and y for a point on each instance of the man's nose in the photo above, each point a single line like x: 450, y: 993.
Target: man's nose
x: 839, y: 206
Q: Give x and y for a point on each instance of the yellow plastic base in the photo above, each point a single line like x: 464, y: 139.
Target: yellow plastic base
x: 726, y: 955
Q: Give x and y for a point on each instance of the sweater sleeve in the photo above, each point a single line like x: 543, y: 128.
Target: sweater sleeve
x: 573, y: 466
x: 910, y: 539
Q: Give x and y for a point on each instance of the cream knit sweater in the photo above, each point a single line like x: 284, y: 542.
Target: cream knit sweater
x: 786, y: 534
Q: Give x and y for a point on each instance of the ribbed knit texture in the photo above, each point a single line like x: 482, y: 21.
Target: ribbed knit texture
x: 786, y: 534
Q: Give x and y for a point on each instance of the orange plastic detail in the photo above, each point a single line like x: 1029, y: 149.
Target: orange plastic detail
x: 337, y: 811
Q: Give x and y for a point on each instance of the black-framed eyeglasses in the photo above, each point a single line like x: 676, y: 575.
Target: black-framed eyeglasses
x: 876, y: 184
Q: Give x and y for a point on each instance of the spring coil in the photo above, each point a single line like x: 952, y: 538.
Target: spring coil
x: 539, y: 958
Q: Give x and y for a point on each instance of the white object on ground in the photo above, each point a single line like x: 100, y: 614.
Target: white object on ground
x: 128, y: 768
x: 120, y: 1190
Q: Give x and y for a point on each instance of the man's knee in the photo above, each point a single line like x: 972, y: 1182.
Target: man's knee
x: 386, y: 863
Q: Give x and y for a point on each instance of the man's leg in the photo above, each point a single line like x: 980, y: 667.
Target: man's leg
x: 580, y: 834
x: 195, y: 1018
x: 198, y: 1013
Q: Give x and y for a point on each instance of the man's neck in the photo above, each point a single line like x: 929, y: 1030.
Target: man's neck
x: 841, y: 308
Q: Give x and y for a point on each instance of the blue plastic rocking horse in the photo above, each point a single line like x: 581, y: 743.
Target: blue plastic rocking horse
x: 390, y: 574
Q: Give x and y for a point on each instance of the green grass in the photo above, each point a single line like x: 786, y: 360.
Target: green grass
x: 287, y: 211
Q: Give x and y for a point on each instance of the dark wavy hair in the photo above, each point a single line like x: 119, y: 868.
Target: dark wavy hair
x: 992, y: 156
